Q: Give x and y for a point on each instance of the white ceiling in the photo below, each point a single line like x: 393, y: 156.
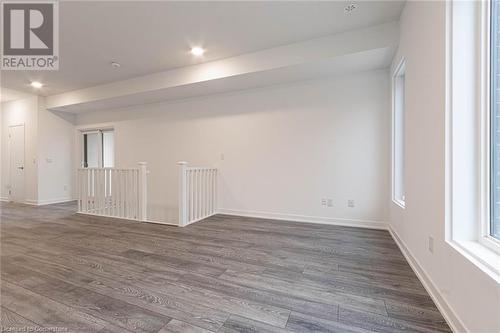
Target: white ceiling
x: 147, y: 37
x: 362, y: 61
x: 7, y: 95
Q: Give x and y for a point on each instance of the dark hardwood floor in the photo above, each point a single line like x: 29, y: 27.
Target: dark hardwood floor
x: 75, y: 273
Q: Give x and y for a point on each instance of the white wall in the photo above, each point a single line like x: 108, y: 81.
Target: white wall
x: 48, y: 150
x: 55, y: 152
x: 22, y: 111
x: 469, y: 297
x: 285, y: 147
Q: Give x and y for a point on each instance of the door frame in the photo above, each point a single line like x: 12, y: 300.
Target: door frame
x: 99, y: 147
x: 9, y: 149
x: 82, y: 129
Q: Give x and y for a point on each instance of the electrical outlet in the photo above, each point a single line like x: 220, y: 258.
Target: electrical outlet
x: 222, y: 157
x: 65, y: 187
x: 431, y: 244
x: 323, y: 202
x: 350, y: 203
x: 330, y: 203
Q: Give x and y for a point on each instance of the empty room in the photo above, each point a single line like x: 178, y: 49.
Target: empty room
x: 250, y: 166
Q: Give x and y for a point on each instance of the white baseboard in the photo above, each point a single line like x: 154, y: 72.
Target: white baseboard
x: 48, y: 202
x: 446, y: 310
x: 358, y: 223
x: 129, y: 220
x: 161, y: 222
x: 200, y: 219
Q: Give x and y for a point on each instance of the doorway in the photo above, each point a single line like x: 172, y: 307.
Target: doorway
x: 16, y: 165
x: 98, y: 149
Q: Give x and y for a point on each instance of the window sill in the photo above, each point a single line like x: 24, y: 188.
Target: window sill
x: 399, y: 203
x: 481, y: 256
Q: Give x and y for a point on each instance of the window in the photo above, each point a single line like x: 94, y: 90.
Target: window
x: 472, y: 138
x: 98, y: 149
x: 398, y: 107
x: 494, y: 224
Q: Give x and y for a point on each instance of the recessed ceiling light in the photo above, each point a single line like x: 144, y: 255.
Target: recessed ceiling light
x: 115, y: 64
x: 350, y: 8
x: 197, y: 51
x: 36, y: 84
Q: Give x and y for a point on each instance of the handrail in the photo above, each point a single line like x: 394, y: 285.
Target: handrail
x: 197, y: 193
x: 113, y: 192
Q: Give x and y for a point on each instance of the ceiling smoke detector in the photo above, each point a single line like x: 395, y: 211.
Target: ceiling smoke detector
x: 350, y: 8
x: 115, y: 64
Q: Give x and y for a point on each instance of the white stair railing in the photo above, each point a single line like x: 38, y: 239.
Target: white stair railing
x: 197, y: 193
x: 113, y: 192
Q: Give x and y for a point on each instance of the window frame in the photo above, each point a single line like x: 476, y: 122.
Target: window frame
x: 99, y: 148
x: 399, y: 70
x: 100, y: 157
x: 467, y: 135
x: 487, y: 136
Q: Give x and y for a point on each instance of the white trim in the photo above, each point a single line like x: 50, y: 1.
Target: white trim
x: 484, y: 231
x: 100, y: 159
x: 357, y: 223
x: 446, y: 310
x: 95, y: 127
x: 467, y: 195
x: 448, y: 175
x: 161, y: 222
x: 129, y: 220
x: 4, y: 199
x: 398, y: 202
x: 398, y: 71
x: 48, y: 202
x: 109, y: 217
x: 201, y: 218
x: 9, y: 157
x: 481, y: 256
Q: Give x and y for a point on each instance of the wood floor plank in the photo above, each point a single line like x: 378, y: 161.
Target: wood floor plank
x: 379, y: 323
x: 299, y: 322
x: 12, y: 322
x: 157, y: 302
x: 238, y: 324
x: 177, y: 326
x: 313, y: 293
x: 329, y: 282
x: 426, y: 317
x: 281, y: 300
x: 114, y: 311
x: 45, y: 312
x: 258, y: 311
x: 223, y: 274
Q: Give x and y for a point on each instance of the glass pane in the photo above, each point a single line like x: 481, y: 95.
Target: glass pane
x: 398, y: 135
x: 495, y: 120
x: 91, y: 150
x: 108, y: 149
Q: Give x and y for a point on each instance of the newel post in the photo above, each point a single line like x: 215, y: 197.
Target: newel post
x: 182, y: 194
x: 143, y: 192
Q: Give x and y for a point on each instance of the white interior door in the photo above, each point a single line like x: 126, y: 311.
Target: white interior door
x: 17, y: 170
x: 92, y: 149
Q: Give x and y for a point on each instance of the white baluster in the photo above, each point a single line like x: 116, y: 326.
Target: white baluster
x: 143, y: 192
x: 183, y: 195
x: 191, y: 196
